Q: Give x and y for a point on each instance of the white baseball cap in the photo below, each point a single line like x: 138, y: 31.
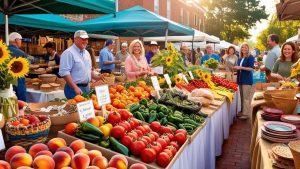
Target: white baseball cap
x: 13, y: 36
x: 81, y: 34
x: 153, y: 43
x: 124, y: 44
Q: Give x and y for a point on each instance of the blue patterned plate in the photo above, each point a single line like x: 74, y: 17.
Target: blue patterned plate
x: 279, y: 127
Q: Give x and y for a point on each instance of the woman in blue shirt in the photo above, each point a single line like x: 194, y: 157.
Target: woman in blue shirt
x: 245, y: 69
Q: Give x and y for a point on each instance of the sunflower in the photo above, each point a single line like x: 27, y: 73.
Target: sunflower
x: 4, y: 52
x: 206, y: 77
x: 169, y: 60
x: 177, y: 79
x: 161, y: 80
x: 18, y: 67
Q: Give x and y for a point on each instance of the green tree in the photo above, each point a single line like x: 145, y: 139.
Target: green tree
x: 231, y: 19
x: 285, y: 30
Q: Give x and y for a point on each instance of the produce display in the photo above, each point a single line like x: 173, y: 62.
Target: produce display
x: 57, y: 155
x: 225, y: 83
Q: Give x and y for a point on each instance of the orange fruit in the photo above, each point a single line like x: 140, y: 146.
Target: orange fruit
x: 137, y: 94
x: 71, y: 101
x: 116, y: 103
x: 112, y: 90
x: 15, y: 123
x: 94, y: 97
x: 119, y: 88
x: 79, y: 98
x: 131, y: 88
x: 112, y: 96
x: 142, y: 83
x: 71, y: 128
x: 25, y: 122
x: 121, y: 105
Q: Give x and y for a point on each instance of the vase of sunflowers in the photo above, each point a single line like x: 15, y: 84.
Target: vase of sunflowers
x: 11, y: 68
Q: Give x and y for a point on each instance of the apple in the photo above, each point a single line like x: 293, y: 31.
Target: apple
x: 21, y: 104
x: 33, y: 120
x: 42, y: 118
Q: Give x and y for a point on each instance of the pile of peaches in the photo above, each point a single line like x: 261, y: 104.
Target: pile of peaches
x: 57, y: 155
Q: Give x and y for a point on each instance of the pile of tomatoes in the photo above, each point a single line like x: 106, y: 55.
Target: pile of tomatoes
x: 149, y: 142
x: 194, y: 84
x: 225, y: 83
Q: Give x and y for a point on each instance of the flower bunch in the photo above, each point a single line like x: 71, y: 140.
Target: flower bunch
x: 211, y: 63
x: 11, y: 68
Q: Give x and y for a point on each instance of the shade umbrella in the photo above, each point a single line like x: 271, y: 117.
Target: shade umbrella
x: 288, y: 10
x: 12, y: 7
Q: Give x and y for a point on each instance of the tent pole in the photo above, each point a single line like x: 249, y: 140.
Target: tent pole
x: 6, y: 29
x: 166, y: 38
x: 193, y: 53
x: 117, y: 5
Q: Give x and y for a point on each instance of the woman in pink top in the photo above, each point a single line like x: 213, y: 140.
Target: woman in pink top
x: 136, y: 65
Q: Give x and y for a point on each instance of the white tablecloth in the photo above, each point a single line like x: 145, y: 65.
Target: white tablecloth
x: 37, y: 96
x: 202, y: 152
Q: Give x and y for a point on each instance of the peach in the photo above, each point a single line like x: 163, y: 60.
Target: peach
x: 80, y: 161
x: 67, y: 150
x: 66, y: 168
x: 138, y: 166
x: 94, y: 121
x: 13, y: 151
x: 20, y: 159
x: 4, y: 165
x: 61, y: 159
x: 92, y: 167
x: 118, y: 161
x: 77, y: 145
x: 44, y: 152
x: 24, y: 167
x: 100, y: 161
x: 84, y: 151
x: 37, y: 148
x: 43, y: 161
x: 93, y: 153
x: 56, y: 143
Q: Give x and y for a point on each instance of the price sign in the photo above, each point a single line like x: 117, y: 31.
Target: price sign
x: 159, y: 70
x: 155, y: 83
x: 102, y: 93
x: 2, y: 145
x: 191, y: 74
x: 167, y: 77
x: 85, y: 110
x: 183, y: 77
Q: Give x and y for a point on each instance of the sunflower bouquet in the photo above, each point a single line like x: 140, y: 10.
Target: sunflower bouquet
x: 171, y: 61
x: 211, y: 63
x: 11, y: 68
x: 295, y: 71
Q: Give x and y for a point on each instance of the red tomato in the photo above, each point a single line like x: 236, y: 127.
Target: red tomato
x: 141, y: 128
x: 137, y: 147
x: 163, y: 159
x: 181, y: 131
x: 148, y: 155
x: 126, y: 125
x: 169, y: 152
x: 147, y: 138
x: 156, y: 146
x: 136, y: 122
x: 145, y: 141
x: 171, y: 136
x: 147, y: 128
x: 125, y: 114
x: 155, y: 126
x: 165, y: 137
x: 162, y: 142
x: 172, y: 149
x: 127, y: 141
x: 156, y: 135
x: 166, y: 130
x: 151, y: 136
x: 180, y: 138
x: 133, y: 135
x: 132, y: 123
x: 117, y: 132
x: 114, y: 118
x: 139, y: 133
x: 174, y: 144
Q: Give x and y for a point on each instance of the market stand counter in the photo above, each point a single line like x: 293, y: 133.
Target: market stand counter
x: 37, y: 96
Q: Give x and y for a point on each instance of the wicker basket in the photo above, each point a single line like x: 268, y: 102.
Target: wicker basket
x: 121, y: 78
x: 286, y: 93
x: 47, y: 78
x: 110, y: 80
x: 26, y: 136
x: 295, y: 149
x: 268, y: 97
x: 97, y: 83
x: 287, y: 105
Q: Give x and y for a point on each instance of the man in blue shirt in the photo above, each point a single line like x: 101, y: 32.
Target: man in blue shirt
x: 76, y: 66
x: 209, y: 54
x: 106, y: 58
x: 153, y: 51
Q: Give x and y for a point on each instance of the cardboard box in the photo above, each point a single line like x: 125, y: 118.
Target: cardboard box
x: 109, y: 153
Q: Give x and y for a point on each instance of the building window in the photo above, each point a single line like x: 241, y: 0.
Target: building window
x: 156, y: 6
x: 181, y: 16
x: 188, y: 18
x: 195, y: 20
x: 169, y: 9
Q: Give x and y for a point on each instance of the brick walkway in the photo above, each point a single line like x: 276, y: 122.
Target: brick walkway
x: 236, y: 150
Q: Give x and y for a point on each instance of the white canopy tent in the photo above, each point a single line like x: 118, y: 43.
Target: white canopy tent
x: 224, y: 45
x: 293, y: 39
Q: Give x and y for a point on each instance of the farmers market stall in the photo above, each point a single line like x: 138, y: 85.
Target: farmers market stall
x: 37, y: 96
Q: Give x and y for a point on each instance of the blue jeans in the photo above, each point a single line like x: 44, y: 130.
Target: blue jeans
x: 70, y: 92
x: 20, y: 89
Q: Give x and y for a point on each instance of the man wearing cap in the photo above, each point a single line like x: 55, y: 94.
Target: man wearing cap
x: 153, y: 51
x: 15, y: 42
x: 106, y: 58
x: 76, y: 66
x: 52, y: 58
x: 121, y: 56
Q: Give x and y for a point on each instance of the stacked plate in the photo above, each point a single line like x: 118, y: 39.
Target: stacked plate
x: 281, y: 156
x: 292, y: 119
x: 271, y: 114
x: 278, y: 132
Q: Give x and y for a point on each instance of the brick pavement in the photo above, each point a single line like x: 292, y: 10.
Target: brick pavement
x: 236, y: 150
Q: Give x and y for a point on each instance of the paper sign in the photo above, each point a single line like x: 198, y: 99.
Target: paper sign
x: 155, y: 83
x: 85, y: 110
x: 183, y: 77
x: 191, y: 74
x: 102, y: 93
x: 159, y: 70
x: 167, y: 77
x: 2, y: 145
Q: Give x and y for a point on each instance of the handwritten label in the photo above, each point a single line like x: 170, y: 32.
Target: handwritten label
x: 85, y: 110
x: 159, y: 70
x: 191, y: 74
x: 102, y: 93
x: 167, y: 77
x: 155, y: 83
x: 183, y: 77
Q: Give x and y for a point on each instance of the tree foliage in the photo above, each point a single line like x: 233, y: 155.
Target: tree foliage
x: 285, y: 30
x: 231, y: 19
